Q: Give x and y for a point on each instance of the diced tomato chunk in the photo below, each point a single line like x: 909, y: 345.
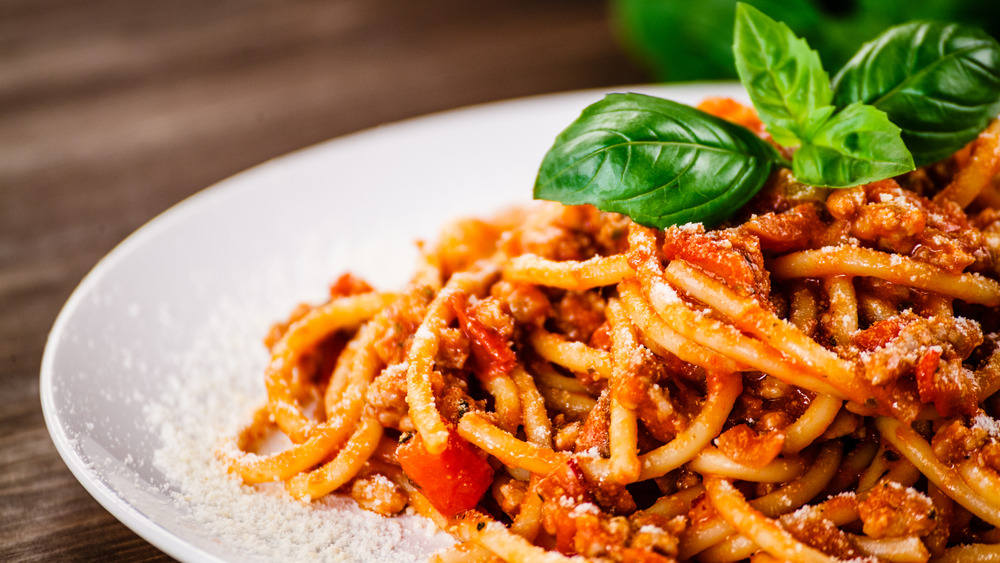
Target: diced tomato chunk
x: 880, y: 333
x: 492, y: 353
x: 744, y: 445
x: 454, y: 480
x: 924, y: 374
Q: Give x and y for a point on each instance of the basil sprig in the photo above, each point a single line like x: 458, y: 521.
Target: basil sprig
x: 939, y: 82
x: 925, y: 87
x: 791, y: 91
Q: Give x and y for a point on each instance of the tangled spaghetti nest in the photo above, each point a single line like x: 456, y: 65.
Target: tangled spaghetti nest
x: 813, y: 382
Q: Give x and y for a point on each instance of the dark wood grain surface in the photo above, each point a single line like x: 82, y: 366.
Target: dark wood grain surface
x: 111, y: 111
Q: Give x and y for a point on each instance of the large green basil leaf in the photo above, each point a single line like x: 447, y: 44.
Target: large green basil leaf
x: 783, y: 76
x: 659, y: 162
x: 939, y: 82
x: 856, y: 146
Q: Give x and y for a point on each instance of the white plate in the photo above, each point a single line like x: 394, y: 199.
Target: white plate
x: 161, y: 340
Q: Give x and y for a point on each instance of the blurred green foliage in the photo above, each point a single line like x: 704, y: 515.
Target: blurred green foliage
x: 692, y: 39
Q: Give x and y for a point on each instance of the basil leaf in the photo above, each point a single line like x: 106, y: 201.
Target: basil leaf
x: 783, y: 76
x: 856, y: 146
x: 939, y: 82
x: 659, y: 162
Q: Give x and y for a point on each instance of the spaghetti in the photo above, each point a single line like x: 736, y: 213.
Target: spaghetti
x: 812, y: 382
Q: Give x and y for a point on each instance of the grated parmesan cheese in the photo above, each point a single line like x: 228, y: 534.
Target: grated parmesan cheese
x: 662, y: 294
x: 583, y: 508
x: 985, y: 422
x: 222, y: 383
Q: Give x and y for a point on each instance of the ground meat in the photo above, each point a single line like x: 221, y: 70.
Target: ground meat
x: 571, y: 513
x: 989, y: 456
x: 554, y: 243
x: 766, y: 407
x: 898, y: 220
x: 987, y: 220
x: 572, y: 232
x: 492, y: 314
x: 955, y: 442
x: 953, y: 252
x: 599, y: 537
x: 612, y: 237
x: 454, y: 400
x: 742, y: 445
x: 785, y: 232
x: 647, y: 388
x: 594, y: 433
x: 607, y: 231
x: 602, y: 538
x: 844, y: 204
x: 404, y: 316
x: 509, y: 494
x: 378, y: 494
x: 892, y: 225
x: 654, y: 532
x: 732, y: 256
x: 578, y: 314
x: 991, y: 265
x: 525, y: 302
x: 957, y: 336
x: 453, y: 349
x: 823, y: 535
x: 932, y: 349
x: 892, y: 510
x: 658, y: 415
x: 387, y: 395
x: 835, y: 233
x: 612, y: 497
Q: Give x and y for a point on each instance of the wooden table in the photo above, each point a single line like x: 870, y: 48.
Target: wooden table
x: 111, y: 111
